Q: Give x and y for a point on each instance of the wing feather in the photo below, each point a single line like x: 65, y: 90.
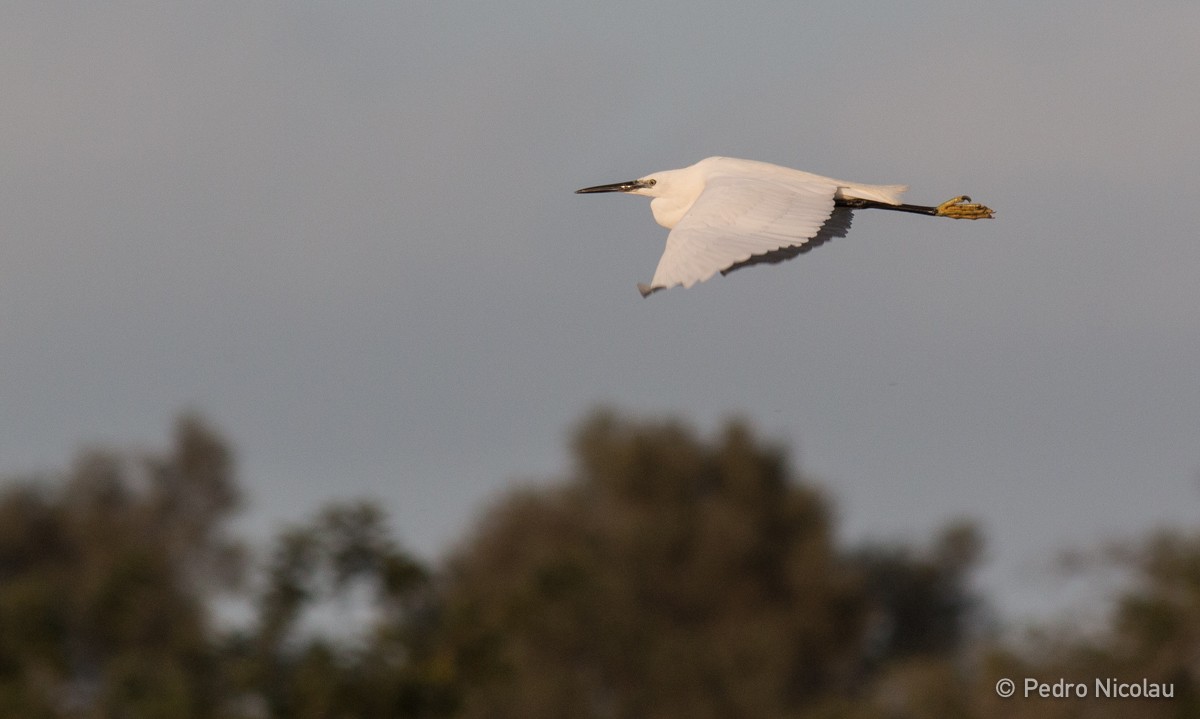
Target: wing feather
x: 736, y: 218
x: 837, y: 226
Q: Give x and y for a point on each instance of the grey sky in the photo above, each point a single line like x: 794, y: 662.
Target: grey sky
x: 346, y: 234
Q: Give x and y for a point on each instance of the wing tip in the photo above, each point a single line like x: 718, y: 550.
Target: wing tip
x: 647, y: 290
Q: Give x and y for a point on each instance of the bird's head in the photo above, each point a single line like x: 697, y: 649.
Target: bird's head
x: 673, y: 191
x: 650, y: 186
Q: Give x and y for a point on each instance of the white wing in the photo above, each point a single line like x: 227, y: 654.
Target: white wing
x: 736, y: 218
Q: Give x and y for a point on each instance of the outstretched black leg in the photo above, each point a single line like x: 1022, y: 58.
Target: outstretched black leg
x: 958, y: 208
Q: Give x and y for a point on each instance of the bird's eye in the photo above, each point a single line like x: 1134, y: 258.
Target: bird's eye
x: 651, y: 183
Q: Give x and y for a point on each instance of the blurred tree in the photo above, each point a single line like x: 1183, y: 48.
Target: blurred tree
x: 106, y: 577
x: 103, y: 582
x: 1153, y: 631
x: 673, y: 578
x: 920, y: 605
x: 667, y: 576
x: 920, y: 629
x: 345, y: 554
x: 1157, y: 623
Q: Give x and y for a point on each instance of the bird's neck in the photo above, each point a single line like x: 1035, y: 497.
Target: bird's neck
x: 669, y: 210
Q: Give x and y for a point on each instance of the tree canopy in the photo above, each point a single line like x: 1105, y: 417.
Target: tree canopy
x: 669, y: 576
x: 665, y: 574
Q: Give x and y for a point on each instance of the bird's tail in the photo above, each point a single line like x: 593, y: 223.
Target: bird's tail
x: 888, y: 194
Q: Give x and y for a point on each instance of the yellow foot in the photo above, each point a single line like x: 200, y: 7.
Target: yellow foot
x: 961, y: 208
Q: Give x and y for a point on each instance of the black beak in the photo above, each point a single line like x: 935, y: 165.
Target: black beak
x: 615, y: 187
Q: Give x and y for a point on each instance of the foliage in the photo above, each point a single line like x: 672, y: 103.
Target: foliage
x: 103, y: 582
x: 667, y: 575
x: 389, y: 673
x: 671, y: 577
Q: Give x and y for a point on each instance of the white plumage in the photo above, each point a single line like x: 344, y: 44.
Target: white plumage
x: 722, y: 212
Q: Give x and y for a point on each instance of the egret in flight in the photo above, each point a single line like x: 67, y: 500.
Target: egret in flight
x: 725, y: 214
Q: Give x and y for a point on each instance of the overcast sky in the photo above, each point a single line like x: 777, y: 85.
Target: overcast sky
x: 346, y: 233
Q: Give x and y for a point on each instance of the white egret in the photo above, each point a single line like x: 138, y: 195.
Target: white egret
x: 725, y: 213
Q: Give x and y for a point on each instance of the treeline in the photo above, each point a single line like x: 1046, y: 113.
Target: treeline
x: 665, y: 575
